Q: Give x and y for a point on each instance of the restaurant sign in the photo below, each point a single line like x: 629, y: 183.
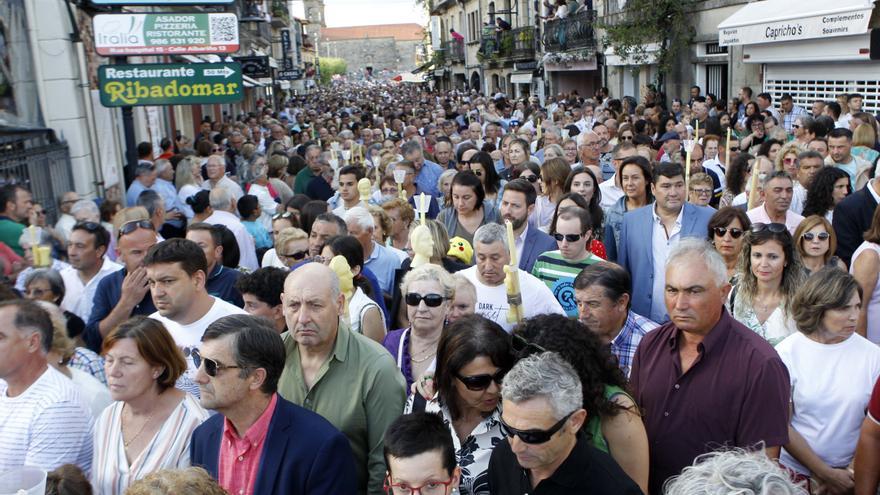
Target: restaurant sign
x: 169, y: 84
x: 165, y: 33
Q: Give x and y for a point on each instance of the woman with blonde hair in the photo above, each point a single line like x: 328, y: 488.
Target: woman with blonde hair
x: 864, y: 140
x: 554, y: 173
x: 816, y: 242
x: 292, y: 246
x: 187, y: 180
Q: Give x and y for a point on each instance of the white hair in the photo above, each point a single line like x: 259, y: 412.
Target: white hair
x: 545, y: 375
x: 162, y: 165
x: 490, y: 234
x: 689, y: 249
x: 733, y: 471
x: 582, y: 136
x: 220, y: 198
x: 361, y: 217
x: 88, y: 207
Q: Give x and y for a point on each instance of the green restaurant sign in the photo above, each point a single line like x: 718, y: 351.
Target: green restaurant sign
x: 169, y: 84
x: 170, y: 33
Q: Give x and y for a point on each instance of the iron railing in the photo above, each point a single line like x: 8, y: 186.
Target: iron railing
x: 572, y: 32
x: 453, y: 51
x: 510, y: 45
x: 42, y: 164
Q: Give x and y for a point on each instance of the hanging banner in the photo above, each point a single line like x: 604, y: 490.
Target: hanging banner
x: 169, y: 84
x: 165, y: 33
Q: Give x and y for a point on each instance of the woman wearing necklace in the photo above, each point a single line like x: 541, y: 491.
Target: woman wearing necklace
x: 149, y: 426
x: 769, y: 275
x: 470, y: 210
x: 427, y: 291
x: 473, y: 356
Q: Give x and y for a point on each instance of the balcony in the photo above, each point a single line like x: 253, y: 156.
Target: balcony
x: 454, y: 51
x: 280, y: 13
x: 573, y: 32
x: 508, y: 46
x: 437, y: 7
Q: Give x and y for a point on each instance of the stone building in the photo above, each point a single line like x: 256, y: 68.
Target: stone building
x: 385, y: 47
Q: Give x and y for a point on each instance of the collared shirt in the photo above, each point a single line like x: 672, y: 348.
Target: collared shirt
x: 107, y: 296
x: 661, y: 241
x: 240, y: 455
x: 170, y: 198
x: 79, y: 297
x: 383, y: 263
x: 759, y: 215
x: 246, y: 244
x: 627, y: 341
x: 358, y: 389
x: 585, y: 470
x: 611, y: 193
x: 227, y: 183
x: 427, y: 178
x: 791, y: 117
x: 221, y: 284
x: 735, y: 394
x: 135, y: 190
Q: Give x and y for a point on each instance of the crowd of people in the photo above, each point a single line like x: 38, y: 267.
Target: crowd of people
x: 381, y: 289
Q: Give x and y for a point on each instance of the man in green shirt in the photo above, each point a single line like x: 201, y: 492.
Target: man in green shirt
x: 310, y: 171
x: 16, y: 203
x: 557, y: 269
x: 345, y: 377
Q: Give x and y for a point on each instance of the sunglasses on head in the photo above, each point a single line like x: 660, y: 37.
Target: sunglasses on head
x: 482, y: 382
x: 823, y: 236
x: 431, y: 300
x: 734, y: 232
x: 286, y: 214
x: 296, y: 256
x: 568, y: 237
x: 530, y: 178
x: 534, y: 436
x: 776, y: 228
x: 523, y: 348
x: 211, y: 367
x: 90, y: 227
x: 130, y: 227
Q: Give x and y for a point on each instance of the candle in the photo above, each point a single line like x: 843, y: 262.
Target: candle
x: 423, y: 207
x: 697, y: 131
x: 727, y: 150
x: 687, y: 169
x: 540, y: 130
x: 753, y: 191
x: 511, y: 241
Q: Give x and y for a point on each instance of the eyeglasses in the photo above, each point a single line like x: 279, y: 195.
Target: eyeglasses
x: 431, y: 487
x: 568, y: 237
x: 129, y: 227
x: 734, y: 232
x: 482, y: 382
x: 776, y: 228
x: 534, y: 436
x: 431, y: 300
x: 40, y: 213
x: 295, y: 256
x: 530, y: 178
x: 702, y: 192
x: 823, y: 236
x: 211, y: 367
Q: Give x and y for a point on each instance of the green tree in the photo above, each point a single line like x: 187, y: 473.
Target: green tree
x: 330, y: 67
x: 644, y: 22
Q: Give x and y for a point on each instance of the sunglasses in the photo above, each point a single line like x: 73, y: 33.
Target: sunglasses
x: 734, y: 148
x: 431, y: 300
x: 286, y: 214
x: 776, y: 228
x: 211, y: 367
x: 568, y: 237
x: 296, y: 256
x: 90, y: 227
x: 823, y: 236
x: 795, y: 126
x: 481, y: 382
x: 734, y: 232
x: 130, y: 227
x: 626, y: 138
x: 534, y: 437
x: 530, y: 178
x: 523, y: 348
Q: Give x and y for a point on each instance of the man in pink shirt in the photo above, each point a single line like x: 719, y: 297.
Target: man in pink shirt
x: 777, y: 191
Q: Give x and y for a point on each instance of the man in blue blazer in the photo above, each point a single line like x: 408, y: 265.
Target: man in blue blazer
x: 517, y: 204
x: 261, y: 443
x: 648, y: 232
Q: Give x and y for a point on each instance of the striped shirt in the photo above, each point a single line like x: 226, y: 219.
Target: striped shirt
x: 46, y: 426
x: 169, y: 448
x: 558, y: 274
x: 627, y: 341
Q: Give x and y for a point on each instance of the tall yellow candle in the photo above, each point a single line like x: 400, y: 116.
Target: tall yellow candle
x: 727, y: 150
x: 753, y: 191
x: 511, y: 242
x: 423, y: 207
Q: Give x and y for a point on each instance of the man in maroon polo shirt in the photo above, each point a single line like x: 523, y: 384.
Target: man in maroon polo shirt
x: 703, y: 379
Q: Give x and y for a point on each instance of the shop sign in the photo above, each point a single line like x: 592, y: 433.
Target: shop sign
x: 165, y: 33
x: 256, y: 67
x: 289, y: 75
x: 169, y: 84
x: 804, y: 26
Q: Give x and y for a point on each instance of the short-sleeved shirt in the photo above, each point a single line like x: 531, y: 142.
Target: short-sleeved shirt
x: 735, y: 394
x: 585, y: 470
x: 559, y: 273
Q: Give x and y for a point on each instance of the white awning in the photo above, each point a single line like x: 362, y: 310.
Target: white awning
x: 771, y: 21
x: 521, y: 78
x: 250, y: 82
x: 650, y: 56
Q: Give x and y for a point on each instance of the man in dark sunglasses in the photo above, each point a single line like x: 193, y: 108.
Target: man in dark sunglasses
x: 259, y: 442
x: 543, y: 451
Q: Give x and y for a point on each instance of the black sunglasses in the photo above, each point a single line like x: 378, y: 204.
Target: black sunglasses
x: 534, y: 437
x: 568, y: 237
x: 776, y: 228
x: 296, y: 256
x: 734, y: 148
x: 522, y: 347
x: 130, y: 227
x: 626, y: 138
x: 431, y: 300
x: 481, y: 382
x: 530, y: 178
x: 734, y: 232
x: 211, y: 367
x: 823, y: 236
x: 90, y: 227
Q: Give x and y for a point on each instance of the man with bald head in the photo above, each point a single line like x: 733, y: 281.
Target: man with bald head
x: 345, y: 377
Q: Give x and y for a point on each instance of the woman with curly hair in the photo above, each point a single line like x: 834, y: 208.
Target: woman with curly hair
x: 614, y: 425
x: 828, y: 188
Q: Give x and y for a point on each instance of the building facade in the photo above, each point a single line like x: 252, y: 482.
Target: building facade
x: 394, y: 48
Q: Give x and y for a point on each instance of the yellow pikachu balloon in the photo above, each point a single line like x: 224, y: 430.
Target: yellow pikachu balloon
x: 460, y: 248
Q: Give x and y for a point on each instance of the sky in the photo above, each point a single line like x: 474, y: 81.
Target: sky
x: 366, y: 12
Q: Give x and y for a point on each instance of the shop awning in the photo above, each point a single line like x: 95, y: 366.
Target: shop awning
x: 424, y: 67
x: 250, y: 82
x: 521, y: 78
x: 770, y: 21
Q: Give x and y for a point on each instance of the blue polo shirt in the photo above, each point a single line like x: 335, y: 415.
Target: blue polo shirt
x: 427, y: 178
x: 107, y: 295
x: 221, y: 284
x: 383, y: 263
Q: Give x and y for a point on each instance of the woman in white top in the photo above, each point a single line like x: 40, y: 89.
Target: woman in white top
x: 770, y: 272
x: 187, y: 179
x: 149, y: 426
x: 832, y: 370
x: 364, y: 315
x: 866, y: 268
